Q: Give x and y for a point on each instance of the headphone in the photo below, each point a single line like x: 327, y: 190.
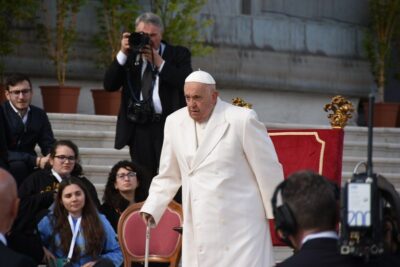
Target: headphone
x: 285, y: 222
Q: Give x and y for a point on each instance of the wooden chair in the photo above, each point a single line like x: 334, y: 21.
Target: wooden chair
x: 165, y: 242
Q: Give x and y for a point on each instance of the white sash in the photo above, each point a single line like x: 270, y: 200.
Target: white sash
x: 75, y: 230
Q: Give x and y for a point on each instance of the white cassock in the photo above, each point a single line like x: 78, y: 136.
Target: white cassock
x: 227, y: 184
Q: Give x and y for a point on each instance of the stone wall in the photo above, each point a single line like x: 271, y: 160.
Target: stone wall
x: 287, y: 51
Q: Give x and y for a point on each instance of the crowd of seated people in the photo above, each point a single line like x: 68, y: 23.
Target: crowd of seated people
x: 40, y: 178
x: 56, y: 198
x: 37, y: 194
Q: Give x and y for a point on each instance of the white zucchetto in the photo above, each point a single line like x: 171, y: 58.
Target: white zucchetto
x: 200, y: 77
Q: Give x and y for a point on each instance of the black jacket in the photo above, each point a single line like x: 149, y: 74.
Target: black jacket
x: 112, y: 214
x: 11, y: 258
x: 176, y: 68
x: 3, y: 144
x: 21, y: 139
x: 324, y: 252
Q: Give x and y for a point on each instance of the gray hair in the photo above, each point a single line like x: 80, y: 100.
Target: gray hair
x: 151, y: 18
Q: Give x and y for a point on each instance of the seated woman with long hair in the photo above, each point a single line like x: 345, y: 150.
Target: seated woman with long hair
x: 75, y: 232
x: 120, y: 191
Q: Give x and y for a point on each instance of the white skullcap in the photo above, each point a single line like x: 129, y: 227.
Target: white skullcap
x: 200, y: 77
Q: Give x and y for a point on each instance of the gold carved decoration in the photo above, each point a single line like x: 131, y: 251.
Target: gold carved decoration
x: 342, y: 109
x: 241, y: 103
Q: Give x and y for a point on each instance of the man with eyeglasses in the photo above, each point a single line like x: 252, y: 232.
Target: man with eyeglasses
x: 25, y: 126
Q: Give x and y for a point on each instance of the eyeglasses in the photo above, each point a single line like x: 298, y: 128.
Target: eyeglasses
x: 130, y: 175
x: 18, y: 92
x: 63, y: 158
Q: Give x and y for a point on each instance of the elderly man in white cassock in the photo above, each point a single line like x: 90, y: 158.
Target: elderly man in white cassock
x: 227, y: 166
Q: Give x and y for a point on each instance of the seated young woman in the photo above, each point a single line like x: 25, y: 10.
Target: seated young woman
x: 75, y: 233
x: 120, y: 191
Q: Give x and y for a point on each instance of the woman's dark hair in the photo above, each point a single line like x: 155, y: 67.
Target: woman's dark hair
x: 111, y: 195
x: 77, y: 171
x: 91, y: 224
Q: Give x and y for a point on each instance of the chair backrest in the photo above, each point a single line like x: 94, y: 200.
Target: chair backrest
x: 165, y: 242
x: 318, y: 150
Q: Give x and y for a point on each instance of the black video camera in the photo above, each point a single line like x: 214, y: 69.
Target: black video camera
x: 140, y: 112
x: 138, y: 40
x: 361, y: 228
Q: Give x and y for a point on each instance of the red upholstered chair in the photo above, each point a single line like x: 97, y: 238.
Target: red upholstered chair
x: 165, y: 243
x: 319, y: 150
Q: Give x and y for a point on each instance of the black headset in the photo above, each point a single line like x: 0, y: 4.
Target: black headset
x: 285, y: 222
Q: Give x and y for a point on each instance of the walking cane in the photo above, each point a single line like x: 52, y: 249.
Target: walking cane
x: 146, y: 254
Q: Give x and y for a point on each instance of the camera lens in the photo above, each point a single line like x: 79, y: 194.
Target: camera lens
x: 138, y: 40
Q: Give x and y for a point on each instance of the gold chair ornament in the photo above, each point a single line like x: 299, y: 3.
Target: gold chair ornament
x: 342, y: 109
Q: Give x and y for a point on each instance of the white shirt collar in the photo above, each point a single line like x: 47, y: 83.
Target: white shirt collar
x: 324, y: 234
x: 25, y: 118
x: 55, y: 174
x: 3, y: 239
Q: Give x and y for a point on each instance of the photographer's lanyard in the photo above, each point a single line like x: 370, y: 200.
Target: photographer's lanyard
x: 75, y: 230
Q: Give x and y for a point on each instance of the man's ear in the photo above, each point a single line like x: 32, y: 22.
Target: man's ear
x: 12, y: 213
x: 14, y: 209
x: 7, y: 94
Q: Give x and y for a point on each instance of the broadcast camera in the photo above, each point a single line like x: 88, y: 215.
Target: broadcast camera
x: 138, y: 40
x: 363, y: 201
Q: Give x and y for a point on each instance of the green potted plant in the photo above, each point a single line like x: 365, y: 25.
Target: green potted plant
x: 379, y: 39
x: 11, y: 13
x: 113, y: 17
x: 57, y: 35
x: 182, y: 26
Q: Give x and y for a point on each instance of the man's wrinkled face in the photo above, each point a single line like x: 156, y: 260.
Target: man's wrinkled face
x: 20, y: 95
x: 200, y: 99
x: 153, y: 31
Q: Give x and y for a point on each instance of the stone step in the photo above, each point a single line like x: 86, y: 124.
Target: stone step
x: 359, y: 148
x: 102, y: 156
x: 96, y: 173
x: 394, y: 178
x: 86, y: 138
x: 82, y: 122
x: 379, y: 135
x: 380, y: 164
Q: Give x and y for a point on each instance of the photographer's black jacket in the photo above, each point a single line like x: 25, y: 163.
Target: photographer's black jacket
x: 176, y: 68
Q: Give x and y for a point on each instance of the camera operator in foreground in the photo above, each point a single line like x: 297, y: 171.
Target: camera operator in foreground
x: 151, y: 73
x: 306, y: 220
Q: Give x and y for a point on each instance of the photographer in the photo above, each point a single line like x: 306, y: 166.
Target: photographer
x: 151, y: 73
